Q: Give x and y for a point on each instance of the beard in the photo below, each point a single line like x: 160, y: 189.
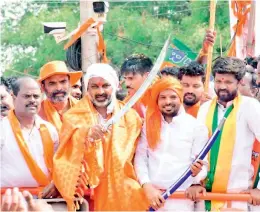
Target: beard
x: 225, y: 95
x: 55, y: 98
x: 170, y: 115
x: 172, y: 112
x: 190, y: 102
x: 103, y: 102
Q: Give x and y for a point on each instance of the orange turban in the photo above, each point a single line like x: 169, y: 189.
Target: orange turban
x: 153, y: 114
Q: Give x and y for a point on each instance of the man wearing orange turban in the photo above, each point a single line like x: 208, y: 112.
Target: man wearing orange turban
x: 170, y: 141
x: 56, y: 80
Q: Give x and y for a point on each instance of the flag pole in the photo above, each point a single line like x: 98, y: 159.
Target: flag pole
x: 210, y: 50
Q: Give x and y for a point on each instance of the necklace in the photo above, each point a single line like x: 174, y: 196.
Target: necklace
x: 29, y: 132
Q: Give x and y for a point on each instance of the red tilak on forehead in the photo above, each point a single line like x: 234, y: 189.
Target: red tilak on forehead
x: 100, y: 82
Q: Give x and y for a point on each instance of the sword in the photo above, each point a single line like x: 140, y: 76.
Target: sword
x: 143, y: 87
x: 201, y: 156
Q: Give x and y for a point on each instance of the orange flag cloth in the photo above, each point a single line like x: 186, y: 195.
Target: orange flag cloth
x: 153, y: 114
x: 48, y: 148
x: 103, y: 165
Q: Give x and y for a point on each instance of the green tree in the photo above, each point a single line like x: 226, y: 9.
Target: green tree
x: 132, y: 27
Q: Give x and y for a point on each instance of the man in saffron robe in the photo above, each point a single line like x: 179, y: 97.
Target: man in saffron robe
x: 56, y: 80
x: 90, y: 156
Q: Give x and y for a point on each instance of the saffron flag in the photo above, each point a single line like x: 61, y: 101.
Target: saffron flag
x: 243, y: 28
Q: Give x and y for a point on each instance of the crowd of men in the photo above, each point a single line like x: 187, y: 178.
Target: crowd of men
x: 53, y: 135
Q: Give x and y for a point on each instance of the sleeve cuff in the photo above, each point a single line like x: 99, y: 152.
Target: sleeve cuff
x: 144, y: 180
x: 200, y: 176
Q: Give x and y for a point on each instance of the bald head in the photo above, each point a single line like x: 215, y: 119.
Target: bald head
x: 27, y: 96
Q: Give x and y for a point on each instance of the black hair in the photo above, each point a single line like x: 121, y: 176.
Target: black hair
x: 172, y: 71
x: 4, y: 82
x: 136, y: 63
x: 193, y: 69
x: 230, y: 65
x: 16, y: 85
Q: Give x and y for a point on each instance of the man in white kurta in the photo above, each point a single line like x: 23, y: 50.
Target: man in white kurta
x: 14, y: 168
x: 227, y: 73
x: 181, y: 137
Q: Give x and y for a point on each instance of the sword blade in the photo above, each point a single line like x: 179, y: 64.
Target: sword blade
x: 143, y: 87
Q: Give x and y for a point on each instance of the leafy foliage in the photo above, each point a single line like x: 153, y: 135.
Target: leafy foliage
x: 132, y: 27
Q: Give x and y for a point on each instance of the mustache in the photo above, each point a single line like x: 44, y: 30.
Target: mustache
x: 32, y: 104
x: 101, y: 95
x: 55, y: 93
x: 223, y: 90
x: 191, y: 94
x: 170, y: 104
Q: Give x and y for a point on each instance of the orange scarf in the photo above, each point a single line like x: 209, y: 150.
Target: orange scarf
x: 193, y: 110
x: 48, y: 147
x: 153, y: 114
x: 104, y: 166
x: 52, y: 114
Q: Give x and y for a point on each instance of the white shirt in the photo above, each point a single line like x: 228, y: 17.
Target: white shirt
x: 247, y: 129
x: 14, y: 169
x: 181, y: 142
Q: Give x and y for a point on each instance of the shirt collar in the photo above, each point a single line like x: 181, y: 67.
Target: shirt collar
x: 227, y: 106
x: 37, y: 122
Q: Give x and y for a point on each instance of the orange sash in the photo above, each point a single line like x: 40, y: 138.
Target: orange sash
x: 48, y: 147
x: 52, y: 114
x: 193, y: 110
x: 105, y: 166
